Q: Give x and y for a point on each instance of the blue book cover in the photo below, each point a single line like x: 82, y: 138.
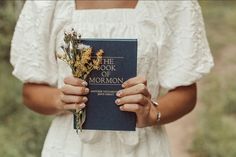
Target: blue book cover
x: 118, y: 65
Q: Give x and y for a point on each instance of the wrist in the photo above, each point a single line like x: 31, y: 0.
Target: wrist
x: 155, y: 114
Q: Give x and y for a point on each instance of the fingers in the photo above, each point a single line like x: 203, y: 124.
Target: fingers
x: 71, y: 80
x: 137, y: 89
x: 74, y: 106
x: 132, y: 108
x: 73, y: 99
x: 134, y: 81
x: 72, y: 102
x: 74, y: 90
x: 132, y: 99
x: 73, y: 94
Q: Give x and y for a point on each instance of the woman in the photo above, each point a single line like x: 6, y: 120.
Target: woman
x: 173, y: 54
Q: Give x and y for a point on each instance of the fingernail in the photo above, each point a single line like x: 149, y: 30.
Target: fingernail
x: 84, y: 83
x: 122, y: 108
x: 86, y: 90
x: 82, y: 105
x: 117, y: 101
x: 124, y: 84
x: 85, y: 99
x: 118, y: 93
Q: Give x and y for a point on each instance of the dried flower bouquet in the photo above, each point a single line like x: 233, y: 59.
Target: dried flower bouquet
x: 79, y: 57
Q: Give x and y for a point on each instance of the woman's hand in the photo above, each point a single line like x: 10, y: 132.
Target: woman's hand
x: 136, y: 98
x: 73, y: 94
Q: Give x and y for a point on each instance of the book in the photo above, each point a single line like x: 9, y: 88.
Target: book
x: 119, y: 63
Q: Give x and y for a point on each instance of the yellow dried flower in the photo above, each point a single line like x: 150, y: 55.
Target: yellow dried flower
x: 61, y: 56
x: 71, y: 62
x: 98, y: 61
x: 100, y: 53
x: 86, y: 55
x: 77, y: 57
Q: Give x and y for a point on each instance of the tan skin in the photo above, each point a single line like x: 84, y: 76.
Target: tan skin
x: 133, y: 97
x: 105, y: 4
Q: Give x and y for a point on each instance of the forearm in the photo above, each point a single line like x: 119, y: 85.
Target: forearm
x: 177, y: 103
x: 41, y: 98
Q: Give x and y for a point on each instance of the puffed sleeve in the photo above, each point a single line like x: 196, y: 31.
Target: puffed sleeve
x: 33, y: 44
x: 184, y: 55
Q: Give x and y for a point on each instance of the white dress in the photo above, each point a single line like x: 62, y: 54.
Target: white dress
x: 172, y: 51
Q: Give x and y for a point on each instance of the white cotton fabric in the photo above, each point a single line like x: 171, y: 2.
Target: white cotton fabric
x: 172, y: 51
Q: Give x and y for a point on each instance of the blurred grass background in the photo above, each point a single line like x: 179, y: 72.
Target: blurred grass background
x: 22, y: 132
x: 216, y: 132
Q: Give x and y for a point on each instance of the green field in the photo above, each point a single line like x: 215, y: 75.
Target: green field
x: 22, y: 132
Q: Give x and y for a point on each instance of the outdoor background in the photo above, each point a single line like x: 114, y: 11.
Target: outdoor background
x: 209, y: 131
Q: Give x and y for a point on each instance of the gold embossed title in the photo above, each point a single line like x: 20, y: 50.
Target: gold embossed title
x: 107, y: 68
